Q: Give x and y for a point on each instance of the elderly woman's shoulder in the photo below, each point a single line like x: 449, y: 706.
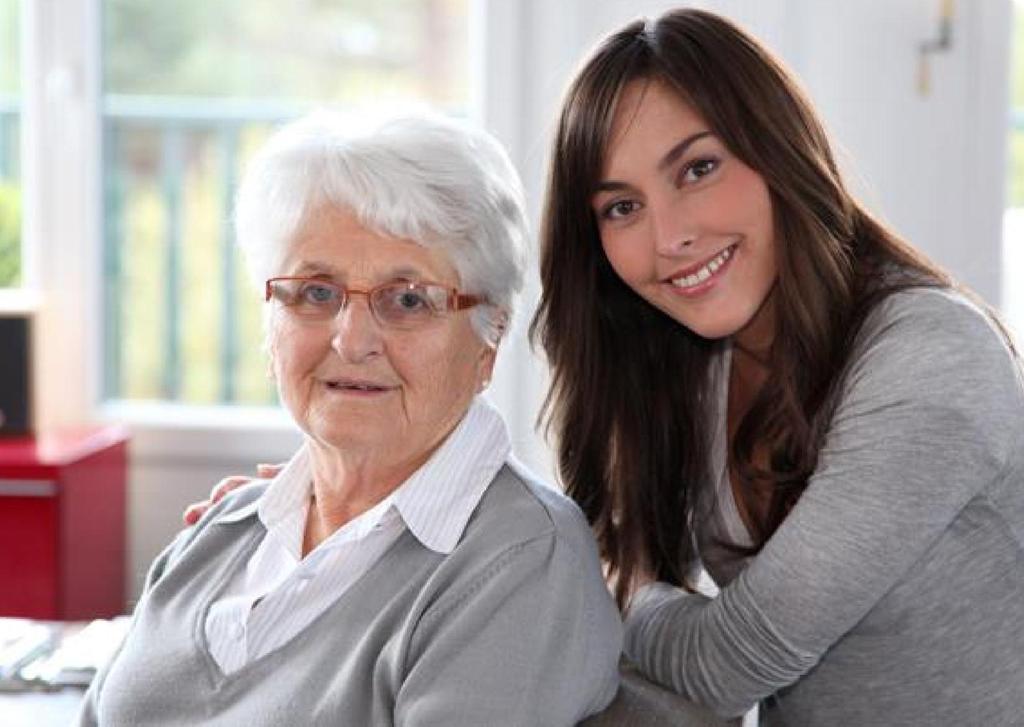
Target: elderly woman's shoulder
x: 237, y: 504
x: 519, y: 506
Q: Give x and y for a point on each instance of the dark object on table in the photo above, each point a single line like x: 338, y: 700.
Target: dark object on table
x: 15, y: 376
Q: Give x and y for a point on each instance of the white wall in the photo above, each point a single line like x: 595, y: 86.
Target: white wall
x: 931, y: 165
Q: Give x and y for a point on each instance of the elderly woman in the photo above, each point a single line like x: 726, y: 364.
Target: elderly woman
x: 402, y: 569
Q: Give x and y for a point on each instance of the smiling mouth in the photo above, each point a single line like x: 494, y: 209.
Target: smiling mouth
x: 696, y: 277
x: 357, y: 387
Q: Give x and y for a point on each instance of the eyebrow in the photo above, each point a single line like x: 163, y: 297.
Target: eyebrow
x: 668, y: 159
x: 315, y: 267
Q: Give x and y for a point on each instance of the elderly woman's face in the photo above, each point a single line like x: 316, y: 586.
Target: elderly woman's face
x: 358, y: 386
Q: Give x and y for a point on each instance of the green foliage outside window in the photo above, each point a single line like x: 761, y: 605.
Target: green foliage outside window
x: 10, y: 68
x: 327, y: 51
x: 10, y: 235
x: 1015, y: 191
x: 169, y: 69
x: 10, y: 191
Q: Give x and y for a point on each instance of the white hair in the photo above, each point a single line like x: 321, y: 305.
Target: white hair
x: 426, y: 178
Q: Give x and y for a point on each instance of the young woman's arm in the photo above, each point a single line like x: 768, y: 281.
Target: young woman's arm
x: 933, y: 408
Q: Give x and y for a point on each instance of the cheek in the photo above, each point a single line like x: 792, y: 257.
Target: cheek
x: 294, y: 354
x: 627, y: 256
x: 440, y: 377
x: 758, y: 224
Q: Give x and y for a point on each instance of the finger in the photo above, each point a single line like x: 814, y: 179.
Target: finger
x: 268, y: 471
x: 193, y: 512
x: 227, y: 485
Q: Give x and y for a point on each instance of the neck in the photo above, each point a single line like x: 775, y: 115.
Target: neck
x: 346, y: 484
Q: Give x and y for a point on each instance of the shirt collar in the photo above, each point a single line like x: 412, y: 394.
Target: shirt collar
x: 435, y: 502
x: 289, y: 492
x: 286, y: 493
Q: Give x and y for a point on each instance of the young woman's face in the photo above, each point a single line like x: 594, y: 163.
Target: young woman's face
x: 683, y: 222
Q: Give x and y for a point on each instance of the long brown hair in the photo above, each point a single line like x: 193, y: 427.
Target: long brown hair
x: 630, y: 400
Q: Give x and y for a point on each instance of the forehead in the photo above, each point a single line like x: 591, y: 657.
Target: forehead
x: 650, y: 117
x: 334, y: 242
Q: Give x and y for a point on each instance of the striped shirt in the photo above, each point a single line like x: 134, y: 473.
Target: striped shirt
x: 279, y: 593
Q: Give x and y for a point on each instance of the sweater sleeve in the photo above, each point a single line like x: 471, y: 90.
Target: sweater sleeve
x: 533, y: 640
x: 927, y: 421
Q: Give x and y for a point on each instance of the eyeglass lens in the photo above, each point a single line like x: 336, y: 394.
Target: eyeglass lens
x: 399, y: 304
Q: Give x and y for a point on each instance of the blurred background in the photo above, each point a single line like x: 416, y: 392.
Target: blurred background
x: 125, y: 124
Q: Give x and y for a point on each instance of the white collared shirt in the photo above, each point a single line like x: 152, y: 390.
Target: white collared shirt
x: 278, y: 592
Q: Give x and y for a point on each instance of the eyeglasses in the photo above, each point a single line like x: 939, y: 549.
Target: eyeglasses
x: 399, y: 304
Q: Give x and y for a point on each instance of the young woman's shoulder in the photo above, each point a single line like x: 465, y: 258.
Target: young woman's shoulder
x: 936, y: 352
x: 929, y: 324
x: 933, y: 311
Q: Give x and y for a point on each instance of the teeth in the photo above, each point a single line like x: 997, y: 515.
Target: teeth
x: 688, y: 281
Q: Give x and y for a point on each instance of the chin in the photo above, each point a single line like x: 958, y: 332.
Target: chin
x: 717, y: 329
x: 338, y: 431
x: 345, y: 440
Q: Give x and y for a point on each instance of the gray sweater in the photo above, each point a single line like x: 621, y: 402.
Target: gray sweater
x: 893, y: 593
x: 514, y: 627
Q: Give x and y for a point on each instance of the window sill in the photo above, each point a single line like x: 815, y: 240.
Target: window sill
x: 191, y: 434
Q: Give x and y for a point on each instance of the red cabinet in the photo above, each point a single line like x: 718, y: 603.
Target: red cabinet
x: 62, y: 524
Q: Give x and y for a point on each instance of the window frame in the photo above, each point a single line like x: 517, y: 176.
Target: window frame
x: 62, y: 263
x: 60, y: 163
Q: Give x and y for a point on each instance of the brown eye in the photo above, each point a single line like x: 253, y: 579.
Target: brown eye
x: 697, y: 170
x: 620, y: 209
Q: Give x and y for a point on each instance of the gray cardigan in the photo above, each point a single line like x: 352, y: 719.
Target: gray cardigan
x: 514, y: 627
x: 893, y: 593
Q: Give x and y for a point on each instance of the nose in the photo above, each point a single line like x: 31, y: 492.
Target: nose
x: 357, y: 335
x: 672, y: 225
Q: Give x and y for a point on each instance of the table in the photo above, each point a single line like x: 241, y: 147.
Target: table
x: 40, y: 709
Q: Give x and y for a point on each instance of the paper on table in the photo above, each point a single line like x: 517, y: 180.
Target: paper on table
x: 79, y: 656
x: 21, y: 642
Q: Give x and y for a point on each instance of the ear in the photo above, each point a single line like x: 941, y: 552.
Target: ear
x: 485, y: 366
x: 500, y: 323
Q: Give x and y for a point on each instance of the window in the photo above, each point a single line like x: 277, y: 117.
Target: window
x: 190, y: 89
x: 1013, y: 232
x: 10, y: 189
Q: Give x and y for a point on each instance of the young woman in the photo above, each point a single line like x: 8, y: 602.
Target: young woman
x: 753, y: 375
